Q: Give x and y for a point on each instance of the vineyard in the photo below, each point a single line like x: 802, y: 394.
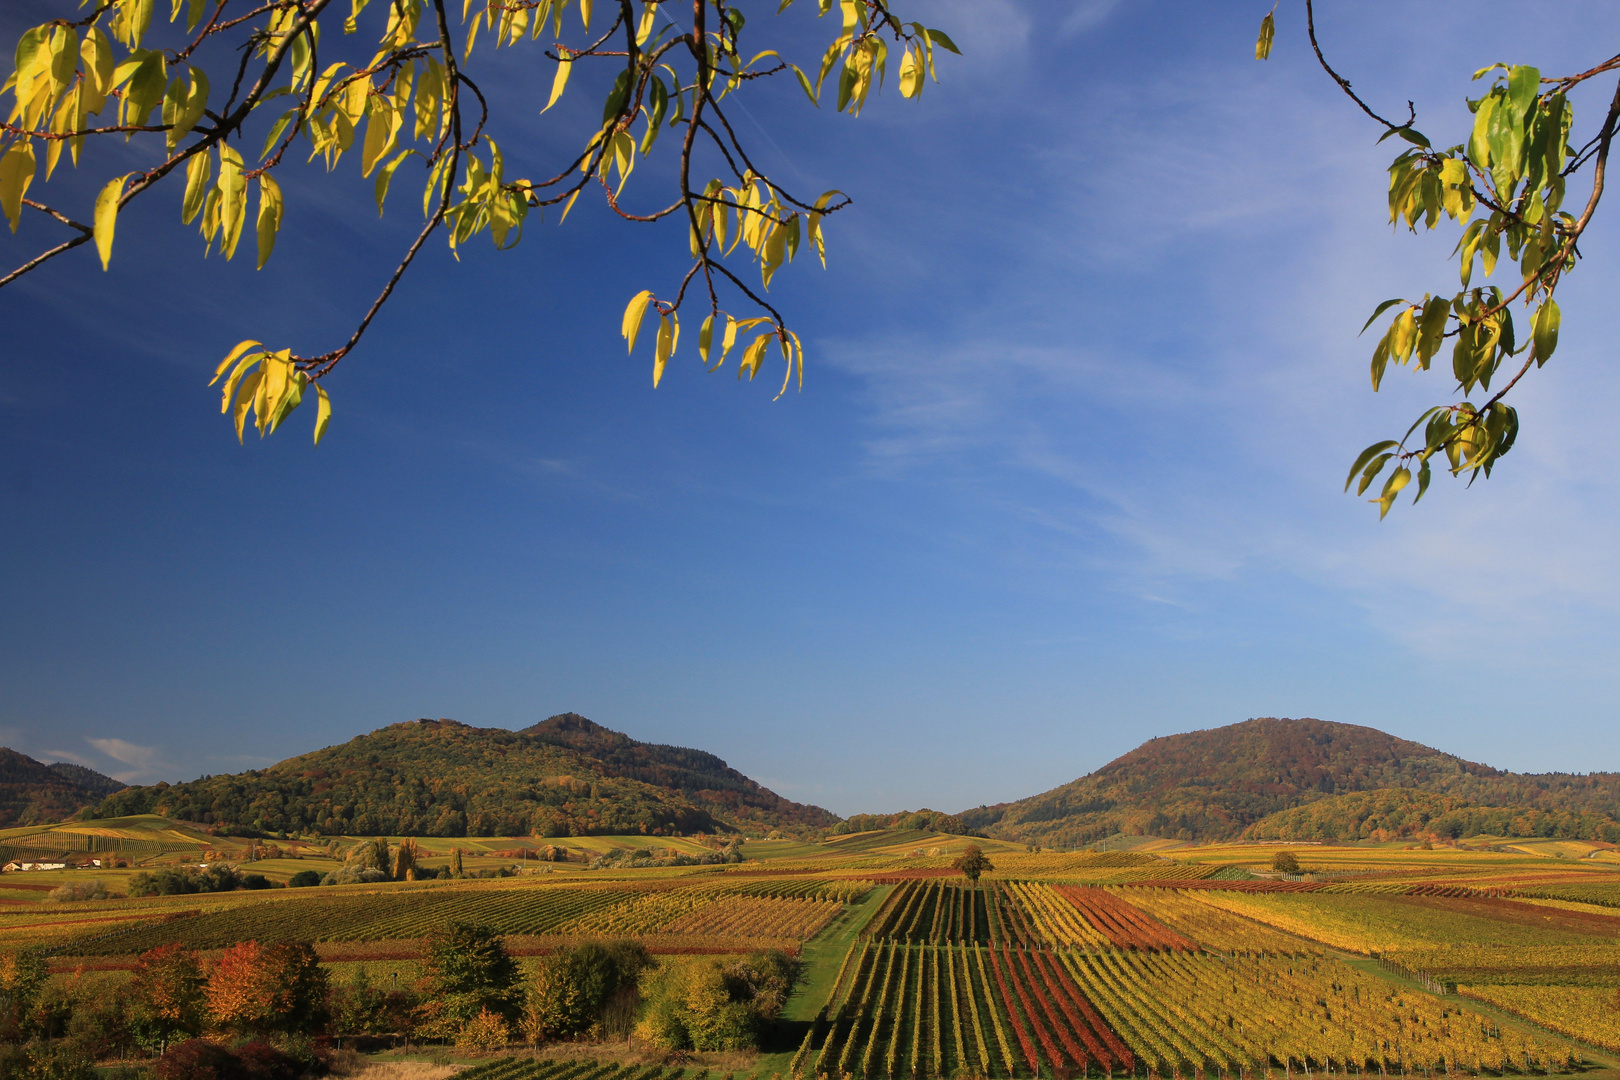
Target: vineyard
x: 525, y: 1068
x: 934, y: 1010
x: 1051, y: 965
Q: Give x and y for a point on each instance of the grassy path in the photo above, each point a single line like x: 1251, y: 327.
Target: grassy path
x: 822, y: 955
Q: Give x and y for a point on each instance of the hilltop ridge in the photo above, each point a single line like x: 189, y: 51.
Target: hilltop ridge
x: 33, y: 793
x: 565, y: 776
x: 1217, y: 782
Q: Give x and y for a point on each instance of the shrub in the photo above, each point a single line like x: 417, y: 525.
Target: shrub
x: 166, y: 996
x: 197, y: 1059
x: 487, y: 1031
x: 79, y: 890
x: 57, y: 1063
x: 353, y: 875
x: 258, y: 1060
x: 304, y: 879
x: 176, y: 881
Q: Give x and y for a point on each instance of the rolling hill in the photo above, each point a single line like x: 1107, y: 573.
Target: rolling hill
x: 563, y: 777
x: 33, y: 793
x: 1216, y: 783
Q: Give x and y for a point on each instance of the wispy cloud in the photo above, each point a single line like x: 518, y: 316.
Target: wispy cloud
x: 143, y: 761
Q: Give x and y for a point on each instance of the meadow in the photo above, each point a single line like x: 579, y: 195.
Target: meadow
x: 1481, y: 959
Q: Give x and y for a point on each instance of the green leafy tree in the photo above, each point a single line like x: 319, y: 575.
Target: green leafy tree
x: 417, y: 105
x: 22, y: 977
x: 1502, y: 186
x: 707, y: 1005
x: 972, y: 862
x: 467, y: 970
x: 590, y: 987
x: 1285, y: 862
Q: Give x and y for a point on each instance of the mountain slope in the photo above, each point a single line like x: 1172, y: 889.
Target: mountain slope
x: 1213, y: 784
x: 33, y: 793
x: 444, y: 778
x: 696, y: 774
x: 1410, y: 813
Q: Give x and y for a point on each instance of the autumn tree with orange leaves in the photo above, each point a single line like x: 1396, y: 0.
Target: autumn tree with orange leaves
x: 257, y: 988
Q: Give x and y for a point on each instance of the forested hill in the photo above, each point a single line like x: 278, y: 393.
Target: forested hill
x: 697, y: 774
x: 444, y: 778
x: 33, y: 793
x: 1213, y: 784
x: 1410, y: 813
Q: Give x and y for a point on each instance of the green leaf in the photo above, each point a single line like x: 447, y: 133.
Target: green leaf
x: 1544, y: 330
x: 1392, y: 487
x: 1423, y: 481
x: 199, y: 170
x: 1379, y: 310
x: 1268, y: 32
x: 804, y: 81
x: 1432, y: 328
x: 276, y: 131
x: 1411, y: 135
x: 1367, y: 455
x: 106, y: 220
x: 1524, y: 83
x: 943, y: 40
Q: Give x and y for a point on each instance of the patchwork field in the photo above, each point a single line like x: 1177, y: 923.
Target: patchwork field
x: 1178, y: 962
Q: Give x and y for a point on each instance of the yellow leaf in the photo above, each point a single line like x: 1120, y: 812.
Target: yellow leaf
x: 705, y: 339
x: 564, y: 68
x: 107, y: 217
x: 17, y: 167
x: 199, y: 170
x: 231, y: 359
x: 633, y: 314
x: 1268, y: 30
x: 323, y: 412
x: 270, y: 207
x: 666, y: 345
x: 911, y: 75
x: 232, y: 187
x: 245, y: 396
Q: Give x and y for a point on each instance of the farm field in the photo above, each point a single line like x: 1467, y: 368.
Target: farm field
x: 1162, y: 964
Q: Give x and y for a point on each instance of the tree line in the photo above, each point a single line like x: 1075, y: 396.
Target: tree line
x: 272, y: 1002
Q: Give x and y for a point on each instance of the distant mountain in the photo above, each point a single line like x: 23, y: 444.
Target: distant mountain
x: 87, y: 778
x: 33, y: 793
x: 563, y: 777
x: 1214, y: 784
x: 696, y: 774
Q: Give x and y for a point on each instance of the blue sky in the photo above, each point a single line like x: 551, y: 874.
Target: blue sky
x: 1082, y: 386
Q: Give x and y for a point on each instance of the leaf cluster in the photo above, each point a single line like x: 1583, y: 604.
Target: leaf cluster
x: 1504, y: 187
x: 415, y: 100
